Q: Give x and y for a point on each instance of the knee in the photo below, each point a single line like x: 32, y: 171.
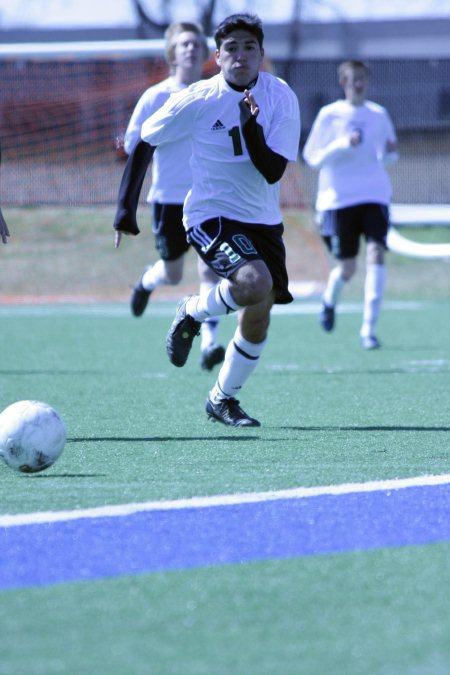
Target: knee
x: 253, y: 293
x: 173, y: 277
x: 173, y: 272
x: 206, y: 274
x: 374, y: 253
x: 251, y: 285
x: 348, y: 269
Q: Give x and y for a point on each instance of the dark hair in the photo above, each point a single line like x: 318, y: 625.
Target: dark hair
x: 248, y: 22
x: 351, y: 64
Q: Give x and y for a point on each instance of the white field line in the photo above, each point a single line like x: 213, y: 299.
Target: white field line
x: 120, y: 510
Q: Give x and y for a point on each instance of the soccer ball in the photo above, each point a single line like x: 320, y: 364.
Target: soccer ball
x: 32, y: 436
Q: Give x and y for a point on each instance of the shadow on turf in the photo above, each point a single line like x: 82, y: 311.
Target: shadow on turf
x: 407, y: 370
x: 160, y: 439
x: 53, y: 372
x: 69, y: 475
x: 368, y: 428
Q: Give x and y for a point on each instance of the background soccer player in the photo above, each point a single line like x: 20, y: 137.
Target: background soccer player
x: 186, y: 52
x: 245, y: 126
x: 350, y: 142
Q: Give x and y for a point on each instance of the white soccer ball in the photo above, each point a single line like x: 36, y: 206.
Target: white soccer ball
x: 32, y: 436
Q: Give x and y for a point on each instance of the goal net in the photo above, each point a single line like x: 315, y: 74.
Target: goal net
x: 65, y: 107
x: 63, y: 113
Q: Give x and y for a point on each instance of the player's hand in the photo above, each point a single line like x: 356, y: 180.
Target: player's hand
x: 118, y: 237
x: 124, y: 223
x: 251, y: 103
x: 248, y: 108
x: 4, y: 232
x: 355, y: 137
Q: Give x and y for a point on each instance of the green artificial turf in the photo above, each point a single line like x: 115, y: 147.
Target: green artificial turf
x: 330, y: 412
x: 137, y: 429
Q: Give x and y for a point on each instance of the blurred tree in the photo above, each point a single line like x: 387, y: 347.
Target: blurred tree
x: 167, y: 11
x: 207, y: 16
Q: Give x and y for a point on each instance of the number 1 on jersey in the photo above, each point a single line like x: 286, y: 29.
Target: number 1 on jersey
x: 236, y: 138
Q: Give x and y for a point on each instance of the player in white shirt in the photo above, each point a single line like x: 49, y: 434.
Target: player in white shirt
x: 245, y: 126
x: 350, y: 143
x: 186, y: 51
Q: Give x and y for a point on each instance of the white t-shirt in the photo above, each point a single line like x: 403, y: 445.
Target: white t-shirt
x: 171, y: 172
x: 350, y: 175
x: 224, y: 180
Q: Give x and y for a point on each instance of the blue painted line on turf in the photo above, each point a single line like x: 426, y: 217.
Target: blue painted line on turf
x: 145, y: 542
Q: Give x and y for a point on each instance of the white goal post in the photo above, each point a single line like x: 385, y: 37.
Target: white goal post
x: 106, y: 49
x: 123, y: 50
x: 65, y: 108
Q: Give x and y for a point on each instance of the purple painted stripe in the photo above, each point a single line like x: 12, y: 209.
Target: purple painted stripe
x: 95, y: 548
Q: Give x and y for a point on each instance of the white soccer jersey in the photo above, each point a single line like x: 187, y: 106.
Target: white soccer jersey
x: 171, y: 171
x: 350, y: 175
x: 225, y: 181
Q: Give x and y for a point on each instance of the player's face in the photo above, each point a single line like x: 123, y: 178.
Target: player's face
x: 188, y: 53
x: 239, y: 57
x: 355, y: 85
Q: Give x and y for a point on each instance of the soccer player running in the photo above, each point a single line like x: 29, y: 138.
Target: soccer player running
x: 245, y: 126
x: 350, y: 143
x: 186, y: 52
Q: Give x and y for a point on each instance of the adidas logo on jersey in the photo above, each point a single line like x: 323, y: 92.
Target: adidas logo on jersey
x: 218, y: 126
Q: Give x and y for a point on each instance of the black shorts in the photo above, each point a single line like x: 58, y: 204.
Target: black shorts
x: 225, y: 245
x: 167, y: 226
x: 342, y: 229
